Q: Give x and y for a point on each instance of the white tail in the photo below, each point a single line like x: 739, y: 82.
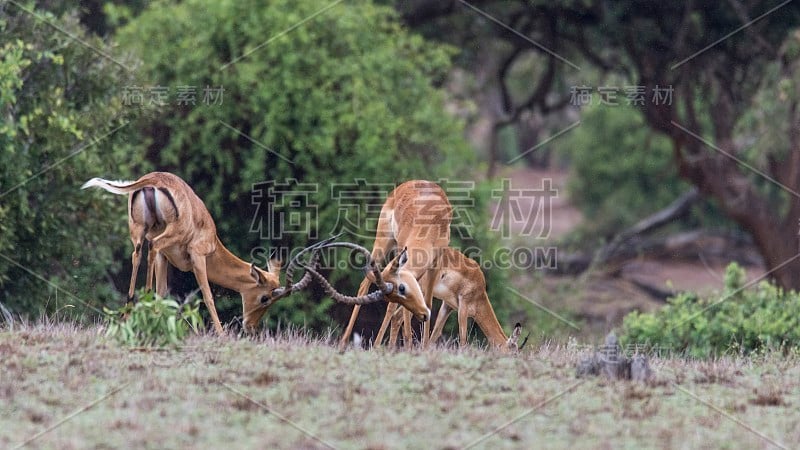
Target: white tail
x: 115, y: 187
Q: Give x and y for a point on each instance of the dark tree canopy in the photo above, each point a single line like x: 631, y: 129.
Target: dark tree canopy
x: 714, y: 56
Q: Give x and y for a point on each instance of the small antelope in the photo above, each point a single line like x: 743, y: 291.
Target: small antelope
x: 165, y: 211
x: 415, y: 218
x: 461, y: 285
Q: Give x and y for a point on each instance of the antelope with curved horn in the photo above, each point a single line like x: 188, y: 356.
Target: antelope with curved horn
x: 415, y: 218
x: 165, y: 211
x: 461, y: 285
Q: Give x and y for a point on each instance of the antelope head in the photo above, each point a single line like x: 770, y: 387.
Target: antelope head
x: 258, y: 295
x: 405, y: 287
x: 395, y: 284
x: 268, y: 290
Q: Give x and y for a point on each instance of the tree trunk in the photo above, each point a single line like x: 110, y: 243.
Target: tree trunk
x: 528, y: 129
x: 711, y: 167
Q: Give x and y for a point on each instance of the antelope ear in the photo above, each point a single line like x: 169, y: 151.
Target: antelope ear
x: 370, y: 276
x: 256, y: 274
x: 404, y: 257
x: 274, y: 266
x: 512, y: 342
x: 400, y: 260
x: 516, y: 333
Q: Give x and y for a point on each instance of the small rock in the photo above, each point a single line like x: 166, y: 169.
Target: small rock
x: 612, y: 364
x: 640, y: 368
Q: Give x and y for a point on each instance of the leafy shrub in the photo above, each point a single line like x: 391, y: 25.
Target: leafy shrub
x: 621, y: 170
x: 153, y: 321
x: 62, y: 122
x: 740, y: 320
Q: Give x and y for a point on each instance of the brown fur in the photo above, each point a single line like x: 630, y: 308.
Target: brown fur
x: 181, y: 231
x: 415, y: 216
x: 461, y: 285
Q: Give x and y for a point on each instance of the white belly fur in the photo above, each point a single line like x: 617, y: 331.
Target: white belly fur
x: 393, y: 227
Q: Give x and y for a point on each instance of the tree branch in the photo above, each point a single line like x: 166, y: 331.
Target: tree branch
x: 673, y: 211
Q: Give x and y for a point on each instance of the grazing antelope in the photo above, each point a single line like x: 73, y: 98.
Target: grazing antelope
x: 461, y: 285
x: 165, y: 211
x: 416, y: 218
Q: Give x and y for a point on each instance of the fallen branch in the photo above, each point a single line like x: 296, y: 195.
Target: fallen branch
x: 679, y: 245
x: 673, y: 211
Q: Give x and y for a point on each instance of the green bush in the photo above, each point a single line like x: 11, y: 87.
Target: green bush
x: 740, y: 320
x: 621, y: 170
x: 153, y: 321
x: 62, y: 122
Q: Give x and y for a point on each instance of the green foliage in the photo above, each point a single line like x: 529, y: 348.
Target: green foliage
x: 61, y: 122
x: 766, y: 128
x: 153, y: 321
x: 621, y: 171
x: 765, y: 318
x: 348, y: 95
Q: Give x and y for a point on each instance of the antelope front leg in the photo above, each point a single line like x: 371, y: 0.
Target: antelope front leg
x: 428, y: 293
x: 390, y: 310
x: 380, y: 248
x: 362, y: 289
x: 394, y: 331
x: 441, y: 320
x: 199, y: 263
x: 349, y: 330
x: 408, y: 334
x: 462, y: 323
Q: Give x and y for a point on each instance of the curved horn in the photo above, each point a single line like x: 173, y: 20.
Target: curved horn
x: 288, y: 288
x: 372, y: 266
x: 282, y: 292
x: 372, y: 297
x: 293, y: 264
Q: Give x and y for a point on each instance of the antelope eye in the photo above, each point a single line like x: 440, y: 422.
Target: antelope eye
x: 263, y: 299
x: 401, y: 289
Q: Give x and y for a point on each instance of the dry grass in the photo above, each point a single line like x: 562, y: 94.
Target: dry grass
x: 292, y: 391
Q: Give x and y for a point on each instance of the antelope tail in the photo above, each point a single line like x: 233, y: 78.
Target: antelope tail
x: 115, y: 187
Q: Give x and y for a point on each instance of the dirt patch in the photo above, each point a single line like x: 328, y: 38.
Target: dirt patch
x: 768, y: 395
x: 265, y: 378
x: 541, y: 207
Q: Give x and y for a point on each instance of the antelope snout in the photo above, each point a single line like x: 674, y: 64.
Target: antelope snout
x: 248, y: 330
x: 426, y: 316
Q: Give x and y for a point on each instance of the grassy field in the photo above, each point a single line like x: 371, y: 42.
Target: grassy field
x: 65, y: 387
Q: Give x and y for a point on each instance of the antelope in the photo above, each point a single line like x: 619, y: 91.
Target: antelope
x: 415, y: 218
x: 165, y: 211
x: 461, y: 285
